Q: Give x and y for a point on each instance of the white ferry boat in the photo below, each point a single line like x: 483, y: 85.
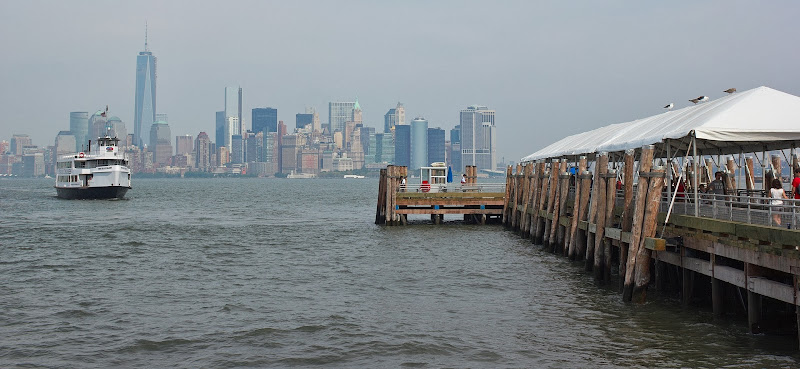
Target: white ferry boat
x: 101, y: 173
x: 353, y: 176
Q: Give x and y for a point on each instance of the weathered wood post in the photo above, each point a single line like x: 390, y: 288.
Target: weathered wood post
x: 645, y: 163
x: 390, y: 194
x: 650, y: 222
x: 611, y: 197
x: 708, y: 174
x: 557, y: 238
x: 595, y: 246
x: 517, y: 195
x: 777, y: 169
x: 593, y: 205
x: 551, y: 194
x: 526, y: 200
x: 583, y: 234
x: 553, y: 207
x: 749, y: 176
x: 541, y: 183
x: 507, y: 199
x: 379, y: 216
x: 576, y: 207
x: 730, y: 182
x: 627, y: 212
x: 541, y: 221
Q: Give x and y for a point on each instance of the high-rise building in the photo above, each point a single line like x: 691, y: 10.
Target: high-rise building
x: 455, y: 148
x: 264, y: 120
x: 79, y: 126
x: 202, y: 153
x: 233, y: 102
x: 115, y: 127
x: 97, y: 125
x: 302, y: 120
x: 160, y: 143
x: 478, y: 137
x: 393, y: 117
x: 184, y: 144
x: 419, y: 143
x: 219, y: 130
x: 18, y: 143
x: 237, y: 149
x: 339, y: 113
x: 64, y: 144
x: 436, y: 147
x: 402, y: 145
x: 144, y: 114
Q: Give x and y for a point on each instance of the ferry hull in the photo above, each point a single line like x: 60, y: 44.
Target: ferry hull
x: 82, y: 193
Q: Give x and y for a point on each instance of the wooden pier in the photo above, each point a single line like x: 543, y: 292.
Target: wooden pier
x: 396, y: 202
x: 735, y: 267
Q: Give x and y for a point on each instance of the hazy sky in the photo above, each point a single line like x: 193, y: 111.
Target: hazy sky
x: 549, y: 69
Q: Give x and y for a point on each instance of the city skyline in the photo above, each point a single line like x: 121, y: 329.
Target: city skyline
x: 534, y: 63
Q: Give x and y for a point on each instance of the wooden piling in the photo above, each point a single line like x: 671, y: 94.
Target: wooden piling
x: 749, y: 177
x: 550, y: 199
x: 645, y: 163
x: 381, y: 207
x: 516, y: 197
x: 611, y: 197
x: 553, y: 204
x: 576, y: 208
x: 536, y: 203
x: 563, y: 187
x: 595, y: 246
x: 506, y: 204
x: 627, y: 210
x: 526, y: 199
x: 650, y: 222
x: 777, y: 168
x: 592, y: 215
x: 730, y: 183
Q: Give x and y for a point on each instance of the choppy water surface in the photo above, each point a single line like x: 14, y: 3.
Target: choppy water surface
x: 276, y: 273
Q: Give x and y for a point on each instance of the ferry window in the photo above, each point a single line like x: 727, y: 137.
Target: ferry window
x: 80, y: 164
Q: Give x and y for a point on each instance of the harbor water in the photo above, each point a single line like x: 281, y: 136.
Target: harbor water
x: 293, y: 273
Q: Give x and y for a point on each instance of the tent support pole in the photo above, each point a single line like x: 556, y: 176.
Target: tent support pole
x: 669, y: 172
x: 694, y: 177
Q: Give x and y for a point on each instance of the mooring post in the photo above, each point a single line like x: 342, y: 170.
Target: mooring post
x: 596, y: 245
x: 550, y: 239
x: 507, y: 199
x: 516, y: 197
x: 576, y: 208
x: 541, y: 223
x: 381, y: 197
x: 526, y: 200
x: 731, y: 182
x: 749, y: 176
x: 536, y: 220
x: 389, y: 195
x: 627, y: 212
x: 645, y: 163
x: 753, y: 299
x: 642, y: 272
x: 611, y: 197
x: 551, y: 194
x: 562, y: 212
x: 582, y: 234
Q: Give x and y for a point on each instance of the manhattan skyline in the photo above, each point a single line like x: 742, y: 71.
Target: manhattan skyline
x: 544, y: 67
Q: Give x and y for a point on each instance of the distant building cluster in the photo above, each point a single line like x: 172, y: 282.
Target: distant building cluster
x: 269, y: 147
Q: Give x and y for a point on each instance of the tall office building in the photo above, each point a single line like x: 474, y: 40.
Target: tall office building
x: 219, y: 129
x: 184, y: 145
x: 402, y: 145
x: 97, y: 125
x: 18, y: 142
x: 301, y: 120
x: 455, y: 148
x: 339, y: 113
x: 264, y: 120
x: 79, y: 126
x: 393, y: 117
x: 478, y: 137
x: 436, y: 147
x: 233, y: 110
x: 144, y: 114
x: 160, y: 143
x: 419, y: 143
x: 202, y: 152
x: 64, y: 144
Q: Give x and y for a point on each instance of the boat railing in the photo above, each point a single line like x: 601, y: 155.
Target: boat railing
x: 741, y: 207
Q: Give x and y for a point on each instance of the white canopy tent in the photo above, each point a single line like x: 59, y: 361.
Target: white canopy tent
x: 760, y: 119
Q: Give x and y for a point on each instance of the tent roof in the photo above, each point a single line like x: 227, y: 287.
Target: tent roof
x: 753, y: 120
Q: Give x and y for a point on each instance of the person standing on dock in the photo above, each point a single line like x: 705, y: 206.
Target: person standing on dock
x: 717, y: 187
x: 403, y: 184
x: 777, y: 195
x: 464, y: 179
x: 796, y: 183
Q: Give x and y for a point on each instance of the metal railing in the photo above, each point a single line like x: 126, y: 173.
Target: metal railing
x: 741, y: 207
x: 453, y: 187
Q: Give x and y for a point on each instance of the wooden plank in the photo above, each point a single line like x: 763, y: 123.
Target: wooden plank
x: 770, y: 288
x: 698, y: 265
x: 655, y: 244
x: 498, y: 211
x: 449, y: 202
x: 613, y: 233
x: 730, y: 275
x: 673, y: 258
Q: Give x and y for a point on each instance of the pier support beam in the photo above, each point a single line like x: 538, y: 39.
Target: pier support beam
x: 578, y: 206
x: 717, y: 297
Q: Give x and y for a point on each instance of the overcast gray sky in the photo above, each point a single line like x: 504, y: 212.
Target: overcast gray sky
x: 549, y: 68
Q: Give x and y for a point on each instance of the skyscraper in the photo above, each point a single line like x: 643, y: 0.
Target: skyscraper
x: 202, y: 151
x: 184, y: 144
x: 436, y: 147
x: 79, y: 126
x: 455, y: 148
x: 478, y: 137
x: 264, y: 120
x: 302, y: 120
x: 394, y: 117
x: 160, y: 143
x: 233, y: 114
x: 419, y: 143
x: 145, y: 108
x: 402, y: 145
x: 219, y: 130
x: 339, y: 113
